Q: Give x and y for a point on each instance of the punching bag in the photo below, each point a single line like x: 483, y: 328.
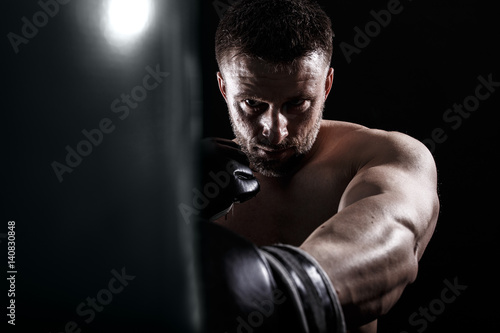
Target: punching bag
x: 102, y: 114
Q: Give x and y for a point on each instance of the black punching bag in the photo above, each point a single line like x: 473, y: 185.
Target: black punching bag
x: 102, y: 112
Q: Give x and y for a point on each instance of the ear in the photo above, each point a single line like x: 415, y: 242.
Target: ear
x: 328, y: 82
x: 222, y: 85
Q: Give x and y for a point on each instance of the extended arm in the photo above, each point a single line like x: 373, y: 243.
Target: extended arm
x: 370, y: 249
x: 275, y: 288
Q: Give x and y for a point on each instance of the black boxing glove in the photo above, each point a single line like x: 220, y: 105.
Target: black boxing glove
x: 272, y: 289
x: 314, y: 299
x: 226, y: 177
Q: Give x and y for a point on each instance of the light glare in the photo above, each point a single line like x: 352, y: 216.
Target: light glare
x: 126, y: 19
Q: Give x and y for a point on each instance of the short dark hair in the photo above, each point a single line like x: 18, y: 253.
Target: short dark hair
x: 275, y: 31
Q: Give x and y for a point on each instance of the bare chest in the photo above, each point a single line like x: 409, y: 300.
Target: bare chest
x: 288, y: 212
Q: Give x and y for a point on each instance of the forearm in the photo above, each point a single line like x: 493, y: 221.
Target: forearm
x: 369, y: 252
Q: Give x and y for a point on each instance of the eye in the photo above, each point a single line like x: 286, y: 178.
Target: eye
x: 252, y: 103
x: 298, y: 105
x: 297, y: 102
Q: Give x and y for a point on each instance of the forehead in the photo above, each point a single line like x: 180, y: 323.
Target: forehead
x: 253, y: 77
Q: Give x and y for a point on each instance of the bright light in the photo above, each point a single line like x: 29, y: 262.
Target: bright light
x: 126, y: 19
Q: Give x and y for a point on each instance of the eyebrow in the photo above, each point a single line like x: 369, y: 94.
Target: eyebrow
x: 244, y: 95
x: 301, y: 96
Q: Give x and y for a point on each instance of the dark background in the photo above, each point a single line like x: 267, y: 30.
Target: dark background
x: 119, y: 207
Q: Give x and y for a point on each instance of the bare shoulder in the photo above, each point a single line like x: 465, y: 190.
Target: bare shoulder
x: 366, y: 147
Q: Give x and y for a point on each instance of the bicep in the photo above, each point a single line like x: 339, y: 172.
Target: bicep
x: 404, y: 186
x: 370, y: 248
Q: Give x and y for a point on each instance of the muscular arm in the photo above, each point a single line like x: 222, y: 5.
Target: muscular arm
x: 370, y: 249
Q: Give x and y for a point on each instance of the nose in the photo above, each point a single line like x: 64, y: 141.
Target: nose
x: 274, y: 126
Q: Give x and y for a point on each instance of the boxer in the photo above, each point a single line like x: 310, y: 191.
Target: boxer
x: 355, y: 205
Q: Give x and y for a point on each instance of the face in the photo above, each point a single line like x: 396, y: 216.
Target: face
x: 275, y: 114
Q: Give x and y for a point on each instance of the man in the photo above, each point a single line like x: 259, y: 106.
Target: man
x: 362, y: 202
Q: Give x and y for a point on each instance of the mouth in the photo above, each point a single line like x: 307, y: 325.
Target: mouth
x: 274, y: 153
